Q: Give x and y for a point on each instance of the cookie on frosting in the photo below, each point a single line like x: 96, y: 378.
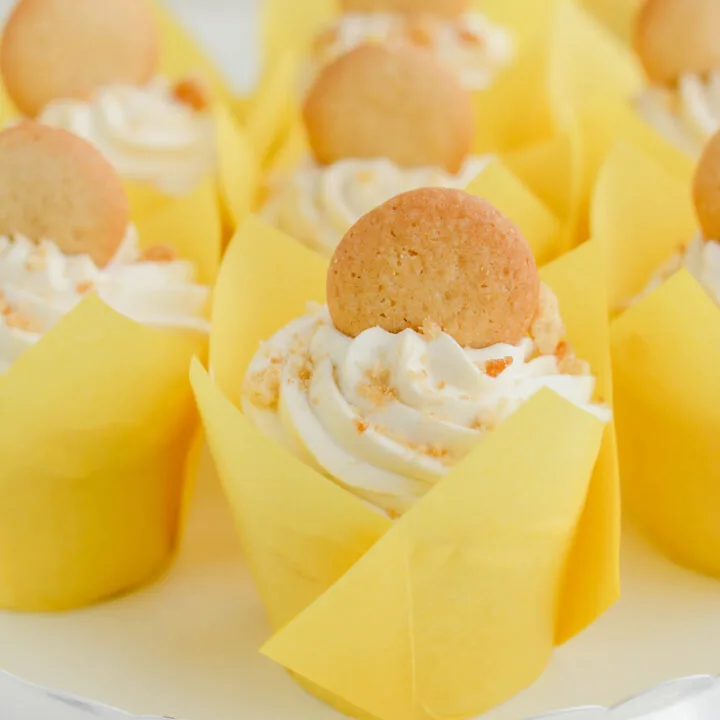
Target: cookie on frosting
x: 55, y: 186
x: 435, y: 258
x: 706, y: 189
x: 389, y: 101
x: 674, y: 37
x: 67, y: 49
x: 446, y: 8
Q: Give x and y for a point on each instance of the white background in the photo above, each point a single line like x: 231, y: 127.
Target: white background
x: 188, y: 645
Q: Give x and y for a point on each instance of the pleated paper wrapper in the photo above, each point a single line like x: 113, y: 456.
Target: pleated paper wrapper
x: 553, y: 115
x: 226, y: 196
x: 458, y: 605
x: 665, y: 347
x: 99, y: 443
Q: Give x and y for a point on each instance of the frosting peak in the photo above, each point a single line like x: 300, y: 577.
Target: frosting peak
x: 39, y: 284
x: 145, y: 131
x: 386, y: 415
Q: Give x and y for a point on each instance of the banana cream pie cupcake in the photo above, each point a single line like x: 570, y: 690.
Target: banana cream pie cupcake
x: 676, y: 41
x: 65, y: 232
x: 464, y: 40
x: 701, y: 255
x: 90, y: 67
x: 380, y: 120
x: 437, y: 328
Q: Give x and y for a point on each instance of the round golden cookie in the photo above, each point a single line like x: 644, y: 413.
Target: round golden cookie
x: 55, y: 186
x: 674, y: 37
x: 67, y: 49
x: 435, y: 257
x: 445, y: 8
x: 387, y: 101
x: 706, y: 189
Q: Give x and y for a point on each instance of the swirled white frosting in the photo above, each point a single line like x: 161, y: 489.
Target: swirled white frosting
x: 319, y: 204
x: 470, y: 44
x: 146, y: 133
x: 39, y: 284
x: 701, y: 258
x: 386, y: 415
x: 688, y: 116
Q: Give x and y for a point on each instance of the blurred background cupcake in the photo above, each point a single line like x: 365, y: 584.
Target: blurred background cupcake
x: 463, y: 39
x: 676, y: 41
x: 379, y: 120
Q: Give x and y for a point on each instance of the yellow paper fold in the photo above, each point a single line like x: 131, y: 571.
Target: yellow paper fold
x: 96, y: 422
x: 572, y: 62
x: 642, y: 215
x: 190, y: 224
x: 453, y: 610
x: 668, y: 414
x: 667, y: 389
x: 507, y: 193
x: 458, y: 605
x: 618, y: 15
x: 274, y: 107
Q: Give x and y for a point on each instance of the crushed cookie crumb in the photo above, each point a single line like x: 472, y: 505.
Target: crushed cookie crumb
x: 21, y: 321
x: 361, y: 425
x: 471, y: 38
x: 84, y: 286
x: 419, y: 31
x: 158, y: 253
x: 430, y: 330
x: 480, y: 425
x: 568, y: 363
x: 305, y: 374
x: 5, y: 306
x: 192, y: 92
x: 497, y: 366
x: 433, y: 450
x: 547, y: 329
x: 262, y: 388
x: 441, y: 384
x: 393, y: 514
x: 376, y: 386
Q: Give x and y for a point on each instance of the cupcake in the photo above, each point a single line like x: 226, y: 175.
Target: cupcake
x: 388, y: 387
x: 92, y: 68
x: 379, y: 120
x: 465, y: 41
x: 663, y: 287
x: 676, y: 42
x: 96, y: 330
x: 421, y: 444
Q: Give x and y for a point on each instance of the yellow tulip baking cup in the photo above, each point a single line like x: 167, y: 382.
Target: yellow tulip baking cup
x: 562, y: 171
x: 667, y: 388
x: 95, y: 461
x: 458, y: 605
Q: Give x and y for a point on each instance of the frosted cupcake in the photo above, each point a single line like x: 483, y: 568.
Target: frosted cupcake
x: 465, y: 41
x: 97, y: 330
x: 380, y: 120
x: 437, y: 329
x: 71, y: 236
x: 676, y: 41
x: 700, y: 256
x: 92, y: 68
